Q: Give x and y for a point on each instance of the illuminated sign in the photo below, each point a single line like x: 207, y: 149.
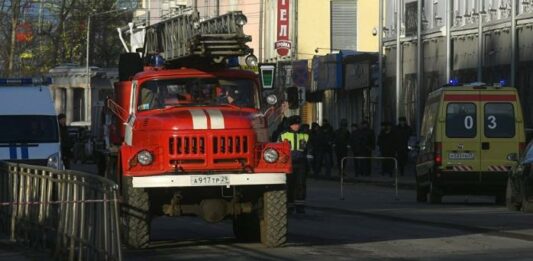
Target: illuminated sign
x: 283, y: 45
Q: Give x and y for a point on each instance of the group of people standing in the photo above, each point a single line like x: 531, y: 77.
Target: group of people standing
x: 313, y: 148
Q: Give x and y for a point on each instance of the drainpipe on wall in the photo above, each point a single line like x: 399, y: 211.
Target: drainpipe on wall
x: 480, y: 52
x: 514, y: 48
x: 379, y: 111
x: 449, y: 11
x: 419, y: 69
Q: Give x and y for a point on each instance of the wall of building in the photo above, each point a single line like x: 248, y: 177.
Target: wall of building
x: 475, y: 55
x: 367, y: 22
x: 313, y: 28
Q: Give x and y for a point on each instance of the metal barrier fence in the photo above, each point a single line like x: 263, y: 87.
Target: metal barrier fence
x: 371, y: 158
x: 73, y: 214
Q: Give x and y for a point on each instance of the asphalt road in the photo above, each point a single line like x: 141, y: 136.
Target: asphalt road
x: 369, y: 224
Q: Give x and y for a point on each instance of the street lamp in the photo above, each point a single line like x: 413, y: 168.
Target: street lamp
x: 88, y: 101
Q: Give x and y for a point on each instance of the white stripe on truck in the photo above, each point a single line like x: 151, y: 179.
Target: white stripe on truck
x: 199, y: 119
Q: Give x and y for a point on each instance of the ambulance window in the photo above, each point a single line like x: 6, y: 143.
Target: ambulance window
x: 461, y: 120
x: 499, y: 120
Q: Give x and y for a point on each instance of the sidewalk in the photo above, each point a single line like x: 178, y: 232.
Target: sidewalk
x: 13, y: 252
x: 408, y: 181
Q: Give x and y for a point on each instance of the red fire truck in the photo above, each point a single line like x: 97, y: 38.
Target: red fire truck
x: 188, y: 136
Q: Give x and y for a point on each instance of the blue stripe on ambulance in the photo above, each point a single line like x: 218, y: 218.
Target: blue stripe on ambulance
x: 24, y: 151
x: 12, y: 151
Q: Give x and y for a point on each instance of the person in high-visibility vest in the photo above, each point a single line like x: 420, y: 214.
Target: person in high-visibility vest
x: 300, y: 153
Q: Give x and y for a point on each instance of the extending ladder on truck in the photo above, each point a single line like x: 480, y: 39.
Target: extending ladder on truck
x: 185, y: 36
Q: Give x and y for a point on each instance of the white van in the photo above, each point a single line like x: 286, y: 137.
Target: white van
x: 29, y: 130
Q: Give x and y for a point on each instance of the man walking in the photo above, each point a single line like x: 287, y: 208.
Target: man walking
x: 326, y: 146
x: 354, y: 136
x: 342, y: 140
x: 299, y: 154
x: 66, y: 143
x: 403, y: 133
x: 365, y: 142
x: 315, y: 139
x: 387, y: 147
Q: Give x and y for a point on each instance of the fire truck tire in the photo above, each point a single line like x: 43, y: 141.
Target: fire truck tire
x: 136, y: 216
x: 129, y: 64
x: 273, y: 221
x: 246, y: 227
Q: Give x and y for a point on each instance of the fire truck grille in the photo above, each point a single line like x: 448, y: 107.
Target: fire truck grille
x: 227, y: 145
x: 189, y: 145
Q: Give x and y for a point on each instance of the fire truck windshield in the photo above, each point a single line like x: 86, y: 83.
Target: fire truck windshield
x: 159, y: 94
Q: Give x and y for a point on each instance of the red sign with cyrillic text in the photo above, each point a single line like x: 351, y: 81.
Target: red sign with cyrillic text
x: 283, y: 45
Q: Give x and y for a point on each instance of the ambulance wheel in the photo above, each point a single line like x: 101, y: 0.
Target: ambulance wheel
x: 434, y: 197
x: 136, y: 216
x: 273, y: 218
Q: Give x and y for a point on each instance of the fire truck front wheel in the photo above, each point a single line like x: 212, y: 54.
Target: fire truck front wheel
x: 273, y: 221
x: 136, y: 215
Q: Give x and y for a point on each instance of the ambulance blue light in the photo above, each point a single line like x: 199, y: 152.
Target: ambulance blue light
x: 24, y: 81
x: 454, y: 82
x: 503, y: 83
x: 232, y: 62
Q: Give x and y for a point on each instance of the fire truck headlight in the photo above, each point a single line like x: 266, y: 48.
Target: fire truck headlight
x: 144, y: 157
x: 270, y: 155
x: 241, y: 20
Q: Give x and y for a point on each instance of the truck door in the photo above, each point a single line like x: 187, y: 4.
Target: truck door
x: 499, y: 131
x: 461, y: 133
x: 128, y: 132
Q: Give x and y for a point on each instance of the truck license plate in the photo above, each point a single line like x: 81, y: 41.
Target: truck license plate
x: 205, y: 180
x: 461, y: 156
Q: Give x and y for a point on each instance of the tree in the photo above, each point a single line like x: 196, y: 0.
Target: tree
x: 56, y: 34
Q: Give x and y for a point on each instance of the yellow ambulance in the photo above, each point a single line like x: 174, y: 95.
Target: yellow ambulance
x: 467, y: 136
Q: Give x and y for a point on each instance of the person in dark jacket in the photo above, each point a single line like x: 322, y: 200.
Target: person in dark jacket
x: 326, y: 145
x: 387, y: 147
x: 282, y: 126
x: 354, y: 135
x: 403, y: 132
x: 341, y: 142
x: 365, y: 142
x: 315, y: 139
x: 65, y: 141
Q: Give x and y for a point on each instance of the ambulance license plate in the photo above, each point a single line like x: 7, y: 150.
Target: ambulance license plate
x: 206, y: 180
x: 461, y: 156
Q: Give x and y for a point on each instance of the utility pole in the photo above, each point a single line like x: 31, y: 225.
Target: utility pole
x: 398, y: 56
